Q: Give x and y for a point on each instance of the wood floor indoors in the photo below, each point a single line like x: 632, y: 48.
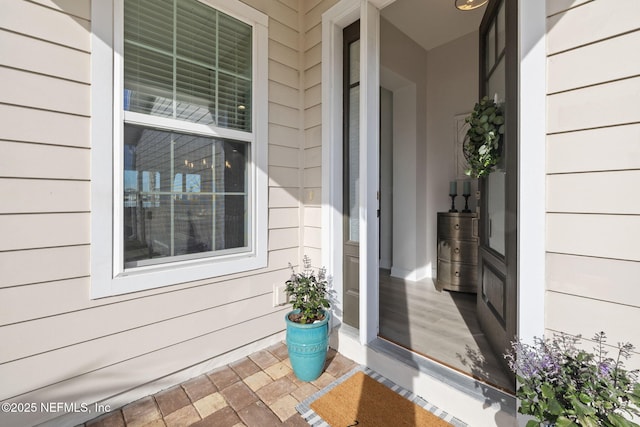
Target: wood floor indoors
x: 441, y: 325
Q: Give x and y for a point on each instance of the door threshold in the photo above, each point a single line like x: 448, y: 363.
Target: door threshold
x: 461, y: 381
x: 436, y: 361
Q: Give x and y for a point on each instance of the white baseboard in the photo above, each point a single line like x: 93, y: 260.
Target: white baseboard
x: 411, y: 275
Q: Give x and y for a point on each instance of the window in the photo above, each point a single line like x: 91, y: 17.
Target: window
x: 186, y: 129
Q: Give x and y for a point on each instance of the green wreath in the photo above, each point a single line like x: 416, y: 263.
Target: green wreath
x: 482, y: 145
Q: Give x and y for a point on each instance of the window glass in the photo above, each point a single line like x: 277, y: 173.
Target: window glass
x: 183, y: 194
x: 186, y: 193
x: 187, y: 61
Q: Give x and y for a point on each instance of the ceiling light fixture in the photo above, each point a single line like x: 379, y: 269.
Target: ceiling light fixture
x: 470, y: 4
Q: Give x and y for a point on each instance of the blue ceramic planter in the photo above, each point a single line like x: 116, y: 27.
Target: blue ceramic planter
x: 307, y: 345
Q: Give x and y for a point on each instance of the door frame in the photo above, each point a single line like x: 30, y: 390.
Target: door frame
x: 531, y: 173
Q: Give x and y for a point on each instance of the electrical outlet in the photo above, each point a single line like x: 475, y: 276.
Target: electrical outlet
x: 280, y: 296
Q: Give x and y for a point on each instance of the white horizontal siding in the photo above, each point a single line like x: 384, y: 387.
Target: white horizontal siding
x: 20, y: 160
x: 55, y: 26
x: 595, y: 278
x: 561, y: 68
x: 81, y: 9
x: 619, y: 327
x: 313, y: 136
x: 284, y: 218
x: 284, y: 156
x: 557, y: 6
x: 90, y: 350
x: 608, y: 104
x: 283, y: 74
x: 604, y: 236
x: 40, y: 196
x: 283, y: 135
x: 312, y: 155
x: 283, y: 115
x: 140, y: 340
x: 284, y: 177
x: 284, y: 238
x: 313, y: 216
x: 43, y: 92
x: 285, y: 14
x: 313, y: 76
x: 46, y: 127
x: 283, y: 197
x: 19, y: 268
x: 100, y: 385
x: 594, y: 192
x: 284, y: 95
x: 575, y: 151
x: 591, y: 22
x: 283, y: 34
x: 283, y: 54
x: 593, y: 166
x: 293, y: 4
x: 45, y: 58
x: 313, y: 116
x: 74, y: 290
x: 313, y: 177
x: 312, y: 237
x: 32, y: 231
x: 312, y: 96
x: 84, y: 324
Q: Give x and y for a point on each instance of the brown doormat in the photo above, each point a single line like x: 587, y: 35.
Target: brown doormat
x: 364, y: 402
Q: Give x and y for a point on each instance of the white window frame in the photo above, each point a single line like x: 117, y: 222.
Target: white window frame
x: 108, y: 275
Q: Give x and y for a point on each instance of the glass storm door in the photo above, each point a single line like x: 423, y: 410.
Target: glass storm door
x: 497, y: 299
x: 351, y: 175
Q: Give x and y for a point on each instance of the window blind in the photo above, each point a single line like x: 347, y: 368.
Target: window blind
x: 187, y: 61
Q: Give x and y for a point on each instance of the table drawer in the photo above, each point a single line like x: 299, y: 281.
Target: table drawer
x: 458, y: 250
x: 457, y: 276
x: 457, y: 228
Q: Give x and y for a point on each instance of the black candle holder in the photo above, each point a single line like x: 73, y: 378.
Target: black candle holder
x: 466, y: 203
x: 453, y: 203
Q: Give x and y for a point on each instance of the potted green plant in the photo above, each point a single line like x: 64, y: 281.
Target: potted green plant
x: 308, y: 323
x: 482, y: 146
x: 564, y: 386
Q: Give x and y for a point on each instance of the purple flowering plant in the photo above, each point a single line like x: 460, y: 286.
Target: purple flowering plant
x: 561, y: 385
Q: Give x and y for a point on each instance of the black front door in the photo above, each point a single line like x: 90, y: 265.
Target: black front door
x: 497, y: 298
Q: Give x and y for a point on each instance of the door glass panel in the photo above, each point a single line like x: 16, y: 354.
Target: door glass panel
x: 495, y: 210
x: 496, y: 182
x: 501, y: 29
x: 496, y: 83
x: 354, y: 62
x: 354, y: 141
x: 490, y: 48
x: 354, y: 161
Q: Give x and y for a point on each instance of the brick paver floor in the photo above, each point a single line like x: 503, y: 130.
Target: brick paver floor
x: 260, y: 390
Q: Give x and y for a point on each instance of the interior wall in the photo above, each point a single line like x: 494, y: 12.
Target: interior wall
x: 452, y: 90
x: 404, y: 72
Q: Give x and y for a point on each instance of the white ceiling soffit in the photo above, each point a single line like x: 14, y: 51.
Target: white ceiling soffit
x: 432, y: 23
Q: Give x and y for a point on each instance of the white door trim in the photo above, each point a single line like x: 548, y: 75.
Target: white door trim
x: 333, y: 21
x: 532, y: 130
x: 531, y: 168
x: 369, y: 169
